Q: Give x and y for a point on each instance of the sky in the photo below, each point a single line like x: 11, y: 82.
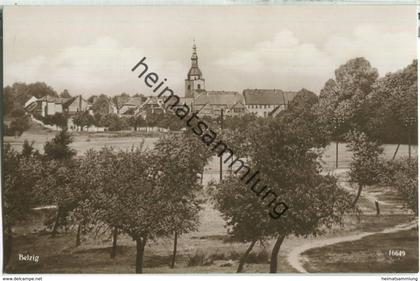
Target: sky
x: 91, y: 50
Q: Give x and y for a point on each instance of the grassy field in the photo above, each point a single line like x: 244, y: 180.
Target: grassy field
x: 60, y: 255
x: 370, y: 254
x: 83, y: 141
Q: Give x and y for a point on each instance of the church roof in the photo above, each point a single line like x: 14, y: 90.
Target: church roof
x: 219, y: 98
x: 267, y: 96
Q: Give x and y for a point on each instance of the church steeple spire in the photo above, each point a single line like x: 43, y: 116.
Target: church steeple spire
x: 195, y: 83
x: 195, y: 72
x: 194, y: 57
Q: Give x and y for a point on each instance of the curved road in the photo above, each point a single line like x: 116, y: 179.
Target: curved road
x: 296, y: 260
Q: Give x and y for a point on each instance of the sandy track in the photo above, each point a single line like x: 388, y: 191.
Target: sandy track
x: 296, y: 260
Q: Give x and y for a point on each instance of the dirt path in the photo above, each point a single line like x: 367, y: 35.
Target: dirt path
x: 295, y: 258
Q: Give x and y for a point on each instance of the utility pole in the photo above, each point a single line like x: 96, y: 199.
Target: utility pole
x: 336, y: 154
x: 409, y: 144
x: 221, y: 156
x: 409, y: 123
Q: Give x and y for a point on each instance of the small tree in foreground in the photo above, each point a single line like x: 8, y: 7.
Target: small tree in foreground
x: 58, y: 186
x: 365, y: 164
x: 59, y: 147
x: 180, y: 159
x: 102, y: 204
x: 20, y: 176
x: 317, y: 206
x: 284, y: 152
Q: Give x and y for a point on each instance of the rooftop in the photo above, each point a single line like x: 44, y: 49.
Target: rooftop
x: 267, y: 96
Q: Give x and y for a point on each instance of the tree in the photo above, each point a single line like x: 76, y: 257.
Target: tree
x: 65, y: 94
x: 8, y: 100
x: 83, y: 119
x: 243, y: 213
x: 28, y: 149
x: 393, y: 102
x: 136, y: 121
x: 169, y: 121
x: 60, y: 120
x: 57, y: 187
x: 18, y: 112
x: 114, y: 123
x: 57, y: 180
x: 284, y: 152
x: 365, y: 163
x: 303, y: 101
x: 20, y: 172
x: 101, y: 206
x: 342, y: 101
x: 180, y: 158
x: 143, y: 214
x: 16, y: 95
x: 154, y: 119
x: 19, y: 125
x: 41, y: 89
x: 58, y: 148
x: 101, y: 105
x: 146, y: 194
x: 119, y: 100
x: 403, y: 175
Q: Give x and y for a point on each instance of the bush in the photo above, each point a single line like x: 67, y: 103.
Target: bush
x: 403, y: 175
x: 17, y: 126
x: 59, y: 147
x: 219, y: 256
x: 199, y: 259
x: 253, y: 257
x: 18, y: 112
x: 114, y: 123
x: 260, y: 257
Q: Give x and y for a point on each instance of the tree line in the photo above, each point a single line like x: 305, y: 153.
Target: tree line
x: 153, y: 193
x: 144, y: 193
x: 383, y: 107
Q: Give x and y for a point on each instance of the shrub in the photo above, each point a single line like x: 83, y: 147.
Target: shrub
x: 59, y: 147
x: 18, y: 126
x: 403, y: 175
x: 219, y: 256
x: 18, y: 112
x: 199, y: 259
x: 259, y: 257
x: 253, y: 257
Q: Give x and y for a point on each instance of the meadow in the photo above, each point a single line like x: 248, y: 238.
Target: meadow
x: 209, y: 249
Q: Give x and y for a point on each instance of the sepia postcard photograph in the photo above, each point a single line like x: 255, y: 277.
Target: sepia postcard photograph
x: 179, y: 139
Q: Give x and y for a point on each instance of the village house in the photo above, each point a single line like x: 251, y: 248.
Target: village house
x: 266, y: 102
x: 129, y: 106
x: 48, y: 106
x: 76, y: 104
x: 152, y: 105
x: 210, y: 103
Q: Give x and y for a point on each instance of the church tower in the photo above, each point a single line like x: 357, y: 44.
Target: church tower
x: 194, y: 83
